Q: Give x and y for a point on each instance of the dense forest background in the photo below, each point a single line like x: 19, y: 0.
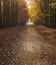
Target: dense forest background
x: 15, y: 12
x: 12, y: 12
x: 48, y: 9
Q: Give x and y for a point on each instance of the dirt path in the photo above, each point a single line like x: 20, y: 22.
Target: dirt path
x: 32, y: 49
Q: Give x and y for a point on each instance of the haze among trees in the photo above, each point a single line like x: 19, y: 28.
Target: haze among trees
x: 15, y: 12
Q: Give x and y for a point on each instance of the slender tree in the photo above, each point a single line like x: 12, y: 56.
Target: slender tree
x: 0, y: 15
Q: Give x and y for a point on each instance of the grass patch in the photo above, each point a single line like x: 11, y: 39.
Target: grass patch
x: 51, y: 38
x: 48, y: 35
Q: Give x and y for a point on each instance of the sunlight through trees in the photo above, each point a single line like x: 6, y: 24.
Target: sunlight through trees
x: 33, y: 10
x: 14, y: 12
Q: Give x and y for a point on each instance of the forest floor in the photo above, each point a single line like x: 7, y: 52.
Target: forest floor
x: 49, y: 34
x: 28, y: 45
